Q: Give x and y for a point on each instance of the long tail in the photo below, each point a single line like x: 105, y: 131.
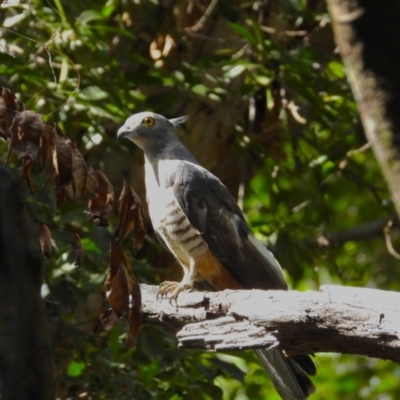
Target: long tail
x: 289, y: 379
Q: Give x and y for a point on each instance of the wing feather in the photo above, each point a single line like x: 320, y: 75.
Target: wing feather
x: 212, y: 210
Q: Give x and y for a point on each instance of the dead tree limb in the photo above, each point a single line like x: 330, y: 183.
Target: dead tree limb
x: 336, y: 319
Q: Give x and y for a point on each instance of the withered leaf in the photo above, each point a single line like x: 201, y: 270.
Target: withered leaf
x: 3, y: 108
x: 44, y: 154
x: 45, y: 240
x: 84, y: 178
x: 25, y: 132
x: 77, y: 246
x: 62, y: 147
x: 62, y: 193
x: 8, y: 109
x: 26, y: 174
x: 123, y: 293
x: 131, y: 217
x: 100, y: 206
x: 62, y: 156
x: 107, y: 316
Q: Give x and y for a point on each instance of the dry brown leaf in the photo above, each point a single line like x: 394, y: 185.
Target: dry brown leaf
x: 45, y: 240
x: 77, y: 246
x: 8, y: 110
x: 84, y: 178
x: 62, y: 147
x: 3, y: 109
x: 25, y: 132
x: 122, y: 291
x: 131, y: 217
x: 30, y: 139
x: 62, y: 193
x: 26, y: 174
x: 71, y: 167
x: 79, y: 172
x: 62, y: 156
x: 92, y: 185
x: 50, y: 178
x: 45, y: 147
x: 100, y: 206
x: 107, y: 316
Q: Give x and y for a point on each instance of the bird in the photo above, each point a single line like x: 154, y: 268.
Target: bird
x: 197, y: 219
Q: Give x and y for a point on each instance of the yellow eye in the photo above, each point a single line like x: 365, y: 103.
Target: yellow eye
x: 148, y: 121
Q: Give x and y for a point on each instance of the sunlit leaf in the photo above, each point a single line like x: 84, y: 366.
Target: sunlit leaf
x: 88, y: 16
x: 76, y: 368
x: 93, y: 93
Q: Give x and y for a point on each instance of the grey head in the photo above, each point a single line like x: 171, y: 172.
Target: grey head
x: 151, y: 132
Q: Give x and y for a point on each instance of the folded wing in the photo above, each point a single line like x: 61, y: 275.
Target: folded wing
x: 212, y: 210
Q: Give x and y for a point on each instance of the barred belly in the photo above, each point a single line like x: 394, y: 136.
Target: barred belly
x: 173, y: 226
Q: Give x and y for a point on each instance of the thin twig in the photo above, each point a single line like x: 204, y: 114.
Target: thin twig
x: 274, y: 31
x: 201, y: 22
x: 363, y: 148
x: 388, y: 240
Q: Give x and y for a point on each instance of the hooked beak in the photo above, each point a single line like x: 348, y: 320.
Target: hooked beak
x: 123, y: 132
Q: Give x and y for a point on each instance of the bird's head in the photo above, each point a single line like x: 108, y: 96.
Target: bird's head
x: 150, y: 131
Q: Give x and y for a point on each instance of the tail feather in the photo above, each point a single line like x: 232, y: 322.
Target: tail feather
x: 306, y: 363
x: 290, y: 381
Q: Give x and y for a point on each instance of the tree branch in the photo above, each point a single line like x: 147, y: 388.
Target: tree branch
x: 366, y: 231
x: 335, y: 319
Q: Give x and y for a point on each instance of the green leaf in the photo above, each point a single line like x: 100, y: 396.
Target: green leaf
x: 90, y: 246
x: 263, y: 80
x: 107, y: 10
x: 92, y: 93
x: 200, y: 90
x: 76, y: 368
x: 337, y: 68
x: 88, y: 16
x: 114, y: 341
x: 176, y: 397
x: 244, y: 32
x: 235, y: 71
x: 149, y: 371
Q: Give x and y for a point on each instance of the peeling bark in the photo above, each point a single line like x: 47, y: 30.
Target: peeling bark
x: 336, y: 319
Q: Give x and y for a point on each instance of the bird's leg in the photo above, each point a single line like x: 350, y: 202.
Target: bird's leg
x: 171, y: 290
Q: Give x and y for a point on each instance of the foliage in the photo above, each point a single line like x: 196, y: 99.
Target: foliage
x: 268, y: 73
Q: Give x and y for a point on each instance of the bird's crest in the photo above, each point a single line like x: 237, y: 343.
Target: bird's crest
x: 178, y: 121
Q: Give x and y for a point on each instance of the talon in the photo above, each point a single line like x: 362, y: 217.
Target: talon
x: 170, y: 290
x: 172, y: 299
x: 165, y: 288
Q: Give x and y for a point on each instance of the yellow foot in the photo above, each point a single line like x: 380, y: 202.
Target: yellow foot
x: 170, y: 290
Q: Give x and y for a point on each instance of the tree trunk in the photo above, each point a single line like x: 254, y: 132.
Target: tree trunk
x: 25, y: 347
x: 368, y: 35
